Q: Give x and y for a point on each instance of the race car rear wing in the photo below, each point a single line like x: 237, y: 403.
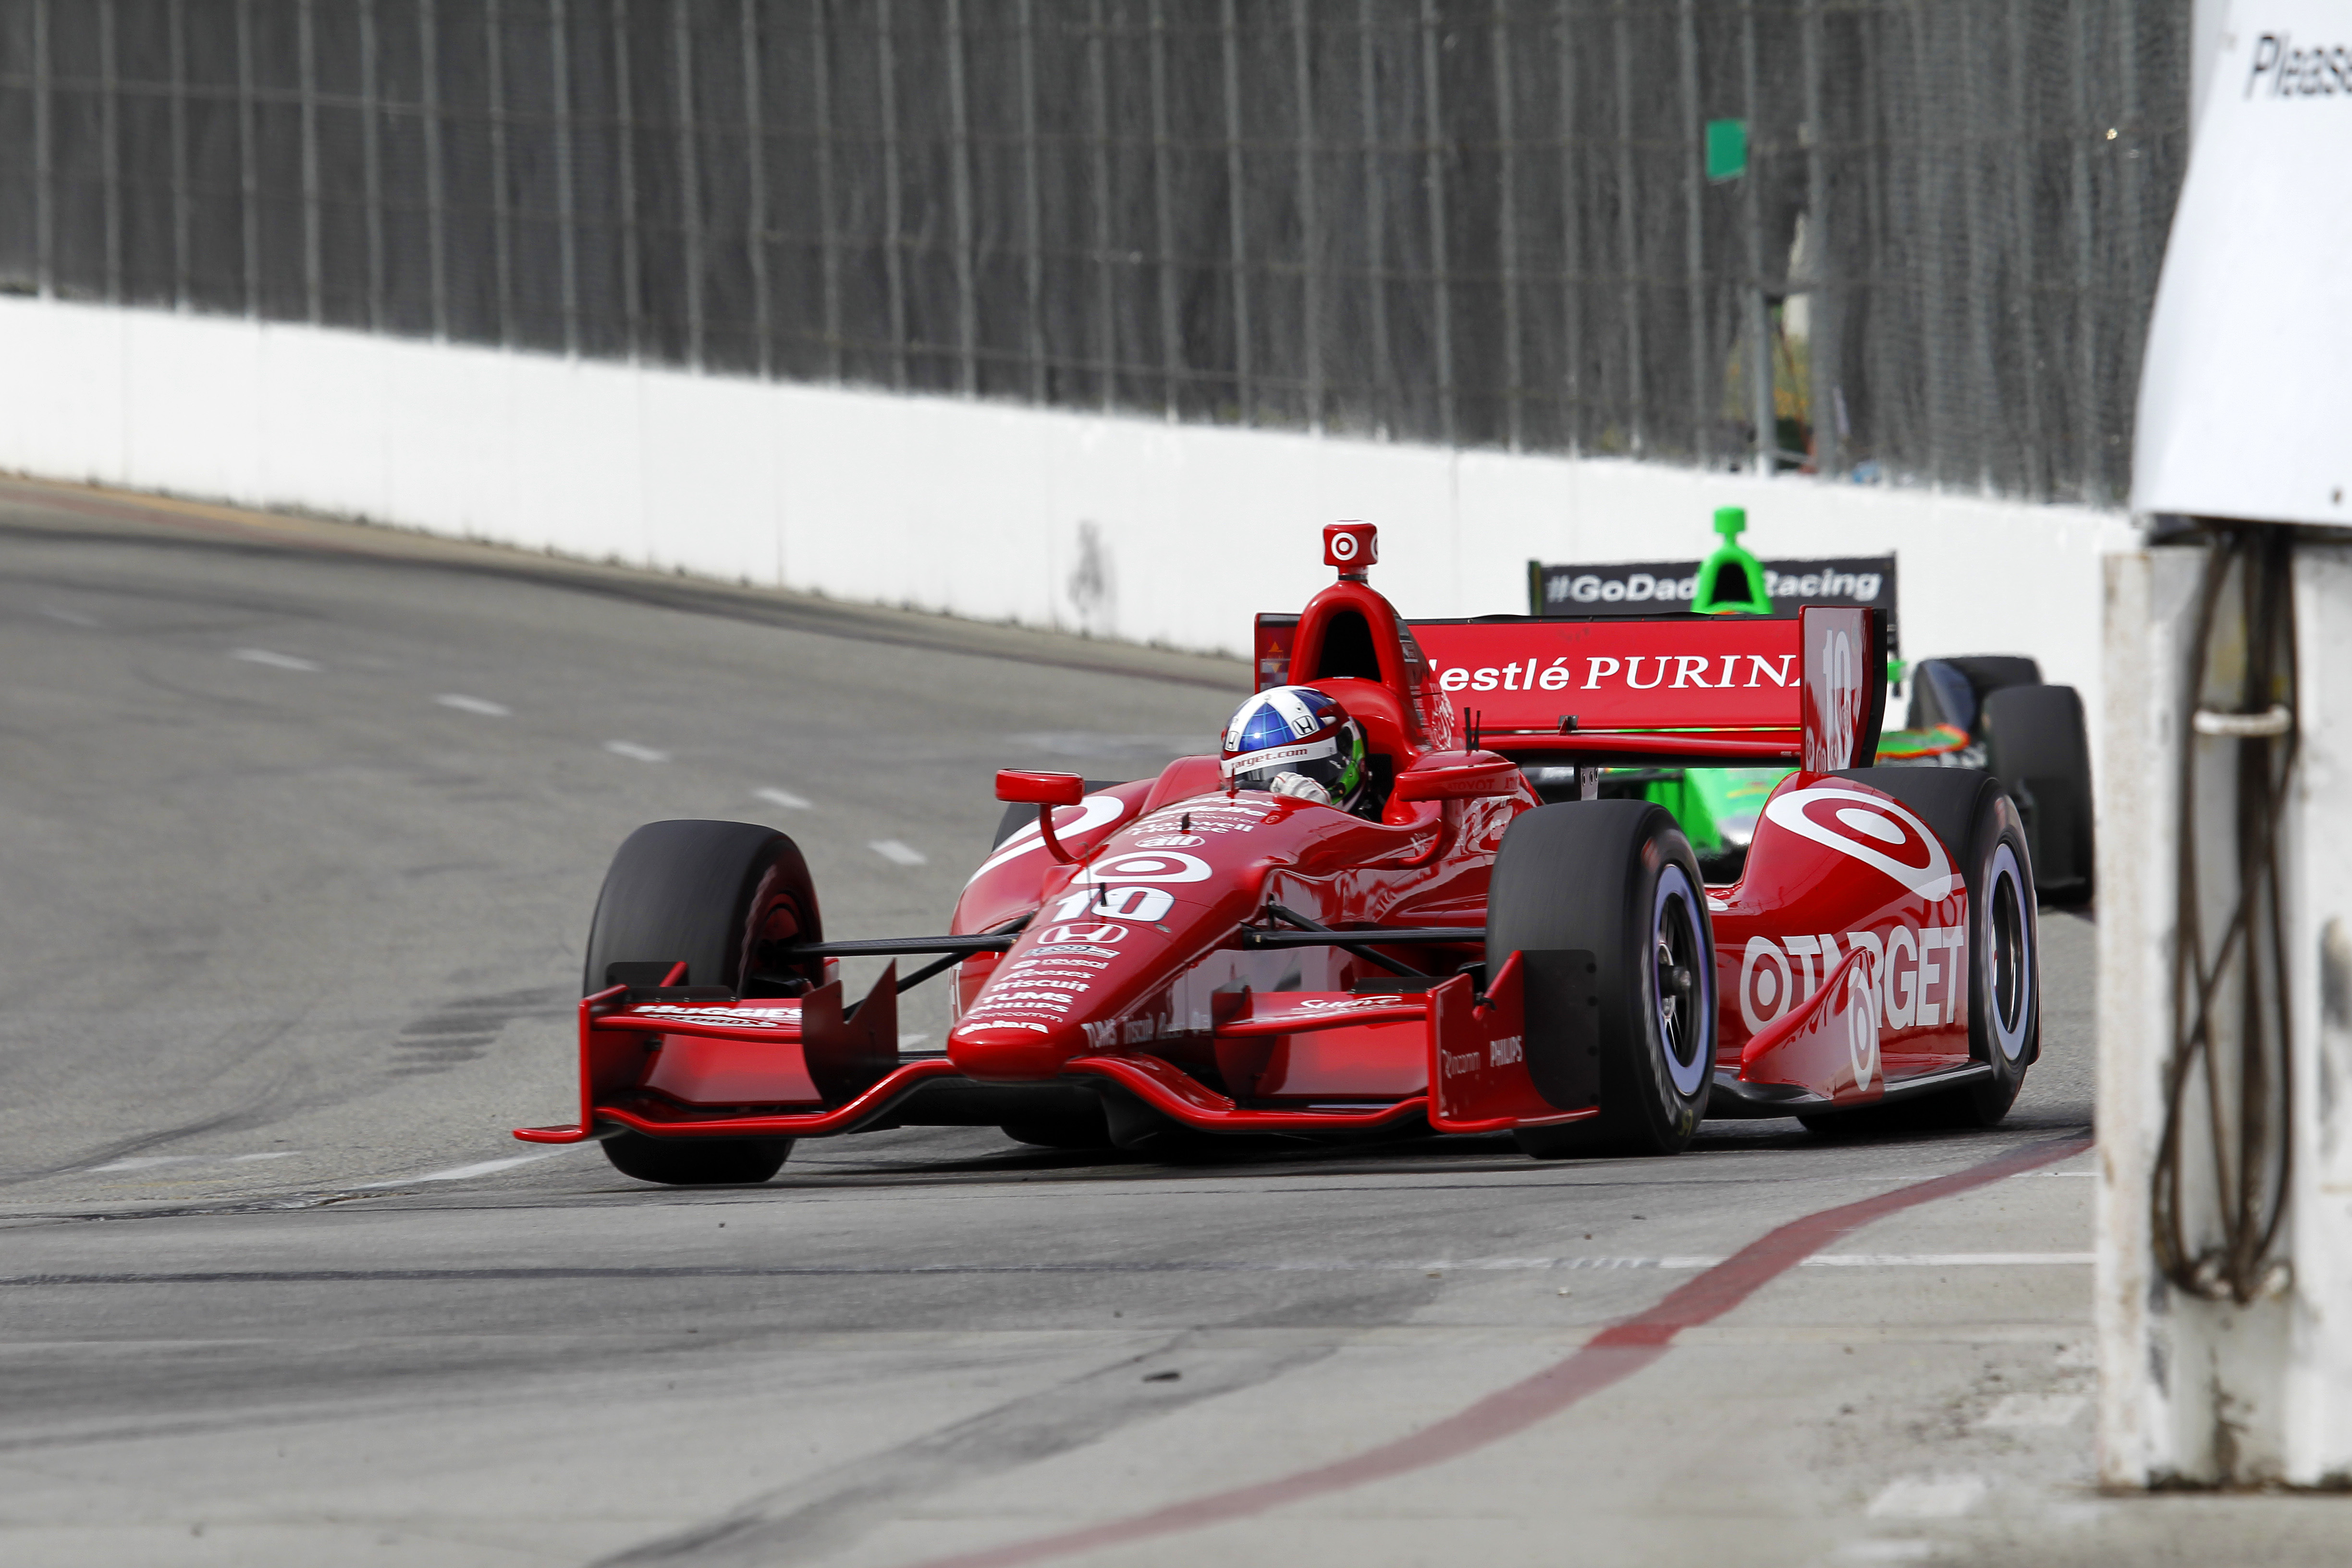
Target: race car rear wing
x: 1727, y: 690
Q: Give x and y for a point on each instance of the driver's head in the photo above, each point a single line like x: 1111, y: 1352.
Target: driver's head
x: 1296, y: 733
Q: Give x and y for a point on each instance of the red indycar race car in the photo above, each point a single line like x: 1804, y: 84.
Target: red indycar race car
x: 1184, y: 955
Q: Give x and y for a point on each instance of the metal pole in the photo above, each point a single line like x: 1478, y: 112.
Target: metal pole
x: 182, y: 201
x: 1821, y: 351
x: 1433, y: 167
x: 559, y: 43
x: 1032, y: 218
x: 1571, y: 303
x: 690, y: 178
x: 1376, y: 236
x: 2126, y: 153
x: 248, y: 178
x: 1235, y: 196
x: 372, y: 165
x: 1171, y: 341
x: 1704, y: 397
x: 1762, y: 407
x: 501, y: 239
x: 1983, y: 269
x: 625, y: 150
x: 307, y: 47
x: 828, y: 235
x: 1507, y: 202
x: 1629, y: 234
x: 1311, y: 244
x: 755, y: 173
x: 1927, y: 214
x: 2033, y: 478
x: 2087, y: 398
x: 960, y: 188
x: 890, y: 195
x: 45, y: 196
x: 111, y: 148
x: 1105, y: 324
x: 429, y: 78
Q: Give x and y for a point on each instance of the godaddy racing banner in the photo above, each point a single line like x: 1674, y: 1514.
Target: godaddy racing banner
x: 1641, y: 589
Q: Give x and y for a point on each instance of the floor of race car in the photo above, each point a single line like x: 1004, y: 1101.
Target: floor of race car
x: 303, y: 823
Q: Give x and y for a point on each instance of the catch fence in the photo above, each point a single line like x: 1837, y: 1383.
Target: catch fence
x: 1561, y: 226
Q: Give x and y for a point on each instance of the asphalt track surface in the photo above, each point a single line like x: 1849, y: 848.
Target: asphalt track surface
x: 301, y: 823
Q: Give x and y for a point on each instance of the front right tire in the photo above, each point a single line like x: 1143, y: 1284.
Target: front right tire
x: 1617, y: 879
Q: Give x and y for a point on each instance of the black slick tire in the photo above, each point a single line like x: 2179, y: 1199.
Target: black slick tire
x: 720, y: 896
x: 1617, y: 879
x: 2036, y: 744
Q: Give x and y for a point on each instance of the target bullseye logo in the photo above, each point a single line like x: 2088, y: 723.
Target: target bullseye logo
x: 1350, y: 545
x: 1870, y: 828
x: 1150, y: 866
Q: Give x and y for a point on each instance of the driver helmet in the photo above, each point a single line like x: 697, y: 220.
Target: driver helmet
x: 1298, y: 731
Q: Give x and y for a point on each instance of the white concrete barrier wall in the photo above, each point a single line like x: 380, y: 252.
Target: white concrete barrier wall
x: 1123, y: 526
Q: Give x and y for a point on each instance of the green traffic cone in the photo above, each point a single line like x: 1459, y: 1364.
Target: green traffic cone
x: 1731, y: 581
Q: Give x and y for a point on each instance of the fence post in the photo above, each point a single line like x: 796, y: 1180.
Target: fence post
x: 828, y: 236
x: 1927, y: 218
x: 183, y: 200
x: 1376, y: 234
x: 1105, y: 324
x: 307, y: 47
x: 249, y: 180
x: 501, y: 239
x: 2133, y: 225
x: 560, y: 57
x: 624, y: 149
x: 372, y: 165
x: 1244, y: 369
x: 887, y: 52
x: 2086, y: 317
x: 44, y: 218
x: 1571, y: 246
x: 1032, y: 220
x: 1508, y: 202
x: 1703, y: 405
x: 1629, y: 238
x: 109, y: 111
x: 1441, y: 284
x: 755, y: 172
x: 1763, y: 407
x: 690, y: 178
x: 1311, y: 257
x: 428, y: 78
x: 960, y: 190
x: 1171, y: 343
x: 1821, y: 345
x: 2031, y: 479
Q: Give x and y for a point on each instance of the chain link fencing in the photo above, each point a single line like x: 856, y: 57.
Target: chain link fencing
x: 1914, y: 240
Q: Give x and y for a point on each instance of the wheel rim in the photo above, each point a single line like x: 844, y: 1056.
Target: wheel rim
x: 1682, y: 985
x: 2009, y: 955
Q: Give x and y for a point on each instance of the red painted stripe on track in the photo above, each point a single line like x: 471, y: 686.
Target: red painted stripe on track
x: 1615, y: 1354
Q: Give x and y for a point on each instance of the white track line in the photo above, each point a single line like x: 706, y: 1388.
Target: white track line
x: 274, y: 660
x: 898, y: 854
x: 151, y: 1162
x: 72, y: 617
x: 783, y: 797
x: 482, y: 705
x: 459, y: 1173
x: 632, y: 750
x: 2013, y: 1411
x: 1928, y: 1496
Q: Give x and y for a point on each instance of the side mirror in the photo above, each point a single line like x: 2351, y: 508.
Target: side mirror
x: 1023, y: 788
x: 1470, y: 779
x: 1043, y: 791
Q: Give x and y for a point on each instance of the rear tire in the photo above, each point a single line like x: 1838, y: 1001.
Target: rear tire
x: 698, y: 1162
x: 2035, y: 743
x: 719, y: 896
x: 1616, y: 879
x: 2004, y: 954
